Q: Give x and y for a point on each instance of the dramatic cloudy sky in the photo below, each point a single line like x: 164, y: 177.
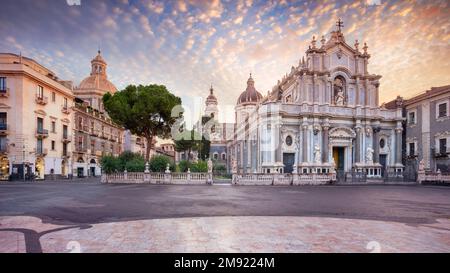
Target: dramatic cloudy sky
x: 187, y: 45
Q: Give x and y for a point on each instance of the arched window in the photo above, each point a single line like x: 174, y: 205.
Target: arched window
x: 216, y: 156
x: 224, y: 156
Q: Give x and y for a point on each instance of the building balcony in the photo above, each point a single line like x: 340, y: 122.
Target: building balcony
x: 104, y: 136
x: 66, y: 138
x: 65, y: 155
x: 3, y: 129
x: 41, y: 151
x: 65, y: 109
x: 93, y: 132
x: 41, y: 100
x: 80, y: 149
x: 82, y: 128
x: 4, y: 93
x: 41, y: 133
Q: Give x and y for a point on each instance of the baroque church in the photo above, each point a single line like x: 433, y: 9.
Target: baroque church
x: 321, y: 117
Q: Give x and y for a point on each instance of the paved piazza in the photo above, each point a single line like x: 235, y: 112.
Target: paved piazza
x: 90, y: 217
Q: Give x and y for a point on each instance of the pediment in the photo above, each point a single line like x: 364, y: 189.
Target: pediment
x: 342, y: 132
x: 343, y: 47
x: 4, y: 106
x: 41, y: 112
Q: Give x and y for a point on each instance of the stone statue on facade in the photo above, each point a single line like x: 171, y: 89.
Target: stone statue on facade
x: 421, y: 166
x: 338, y: 87
x: 369, y: 155
x: 210, y: 165
x: 234, y: 165
x: 317, y: 154
x: 168, y: 168
x: 340, y: 97
x: 333, y: 165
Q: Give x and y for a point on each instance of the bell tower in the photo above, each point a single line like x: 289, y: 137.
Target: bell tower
x: 98, y: 65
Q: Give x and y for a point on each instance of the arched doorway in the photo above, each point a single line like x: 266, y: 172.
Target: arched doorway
x: 79, y: 167
x: 40, y: 168
x: 92, y: 167
x: 4, y: 168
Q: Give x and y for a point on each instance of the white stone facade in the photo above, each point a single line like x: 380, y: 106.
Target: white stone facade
x: 322, y: 115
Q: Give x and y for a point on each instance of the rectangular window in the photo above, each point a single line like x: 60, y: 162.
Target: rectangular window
x: 39, y: 146
x: 40, y: 124
x: 80, y: 123
x: 65, y: 134
x: 80, y: 142
x: 53, y: 127
x: 92, y: 146
x: 442, y: 110
x: 412, y: 149
x: 65, y: 102
x: 443, y: 146
x: 40, y: 92
x: 412, y: 118
x: 2, y: 83
x: 3, y: 121
x: 3, y: 144
x: 53, y: 145
x: 64, y: 149
x: 53, y: 97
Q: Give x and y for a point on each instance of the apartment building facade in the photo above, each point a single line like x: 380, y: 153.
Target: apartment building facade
x: 95, y: 135
x: 35, y: 120
x: 428, y: 129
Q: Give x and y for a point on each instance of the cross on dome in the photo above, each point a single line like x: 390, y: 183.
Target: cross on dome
x: 339, y: 24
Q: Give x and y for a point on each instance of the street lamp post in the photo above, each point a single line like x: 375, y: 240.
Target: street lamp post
x: 23, y: 154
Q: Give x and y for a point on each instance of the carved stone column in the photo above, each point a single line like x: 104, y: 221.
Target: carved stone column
x: 357, y: 91
x: 358, y: 144
x: 305, y: 142
x: 278, y: 149
x: 376, y: 144
x: 398, y: 145
x: 325, y: 142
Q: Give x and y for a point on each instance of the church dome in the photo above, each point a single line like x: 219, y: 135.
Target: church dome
x: 250, y: 95
x: 98, y: 79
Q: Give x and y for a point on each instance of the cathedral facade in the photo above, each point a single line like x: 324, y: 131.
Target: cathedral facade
x: 322, y: 116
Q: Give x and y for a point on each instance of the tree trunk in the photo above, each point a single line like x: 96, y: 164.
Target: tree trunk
x: 188, y: 155
x: 149, y: 147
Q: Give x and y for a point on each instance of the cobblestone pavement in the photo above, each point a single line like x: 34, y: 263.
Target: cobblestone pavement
x: 227, y: 234
x: 52, y: 217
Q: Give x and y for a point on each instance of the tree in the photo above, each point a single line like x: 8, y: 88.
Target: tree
x: 203, y: 148
x: 144, y: 110
x: 110, y: 164
x: 158, y: 163
x: 132, y: 162
x: 200, y: 166
x: 188, y: 141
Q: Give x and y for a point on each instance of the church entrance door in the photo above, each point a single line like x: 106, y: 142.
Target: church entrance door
x: 339, y: 158
x: 383, y: 159
x: 288, y: 161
